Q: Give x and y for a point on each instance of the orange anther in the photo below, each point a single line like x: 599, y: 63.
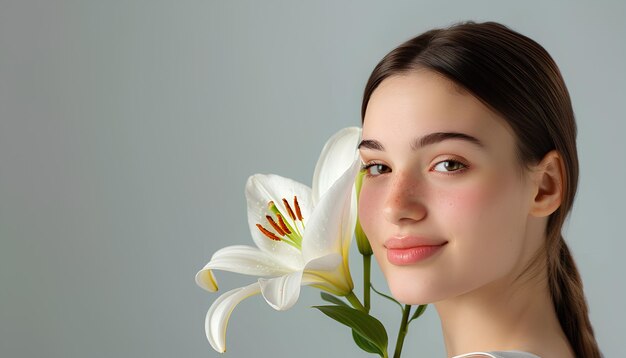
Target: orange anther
x: 278, y: 229
x: 268, y: 233
x: 298, y: 212
x: 283, y: 225
x: 289, y: 211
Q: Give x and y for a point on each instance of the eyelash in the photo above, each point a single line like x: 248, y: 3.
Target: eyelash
x: 366, y: 166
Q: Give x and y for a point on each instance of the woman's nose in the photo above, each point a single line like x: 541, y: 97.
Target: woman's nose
x: 404, y: 204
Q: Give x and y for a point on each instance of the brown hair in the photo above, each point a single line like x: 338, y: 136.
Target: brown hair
x: 517, y: 78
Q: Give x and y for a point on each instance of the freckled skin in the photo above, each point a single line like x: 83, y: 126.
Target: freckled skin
x: 482, y: 211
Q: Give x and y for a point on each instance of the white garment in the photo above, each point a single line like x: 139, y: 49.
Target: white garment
x: 503, y: 354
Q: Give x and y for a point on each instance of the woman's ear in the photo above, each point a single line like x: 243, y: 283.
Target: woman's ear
x: 548, y: 179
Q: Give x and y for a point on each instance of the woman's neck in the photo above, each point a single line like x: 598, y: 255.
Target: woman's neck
x: 505, y: 315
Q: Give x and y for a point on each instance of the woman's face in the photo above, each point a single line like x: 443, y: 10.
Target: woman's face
x: 444, y: 203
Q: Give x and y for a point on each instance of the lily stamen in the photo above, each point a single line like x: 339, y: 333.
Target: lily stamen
x: 292, y: 216
x: 268, y: 233
x: 290, y: 232
x: 296, y: 242
x: 282, y: 224
x: 298, y: 211
x: 289, y: 211
x: 276, y: 227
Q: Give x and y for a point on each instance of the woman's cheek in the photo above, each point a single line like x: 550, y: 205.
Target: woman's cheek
x: 462, y: 212
x: 464, y: 202
x: 370, y: 209
x: 482, y: 211
x: 479, y: 193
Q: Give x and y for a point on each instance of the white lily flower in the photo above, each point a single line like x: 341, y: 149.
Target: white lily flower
x: 302, y: 236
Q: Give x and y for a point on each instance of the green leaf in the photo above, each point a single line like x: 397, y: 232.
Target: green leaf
x: 333, y: 299
x: 386, y: 296
x: 418, y: 312
x: 366, y: 326
x: 365, y: 345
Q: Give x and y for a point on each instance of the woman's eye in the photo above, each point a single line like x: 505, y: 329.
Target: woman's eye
x: 376, y: 169
x: 447, y: 166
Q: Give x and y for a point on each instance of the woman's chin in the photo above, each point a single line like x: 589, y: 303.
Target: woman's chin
x: 410, y: 294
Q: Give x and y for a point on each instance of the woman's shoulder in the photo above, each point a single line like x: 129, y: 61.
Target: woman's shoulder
x: 499, y: 354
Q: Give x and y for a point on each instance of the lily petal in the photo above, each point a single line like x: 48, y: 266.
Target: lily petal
x: 336, y: 157
x: 350, y: 214
x: 330, y: 228
x: 327, y: 273
x: 217, y: 318
x: 206, y: 280
x: 282, y: 292
x: 246, y: 260
x: 324, y: 263
x: 260, y: 190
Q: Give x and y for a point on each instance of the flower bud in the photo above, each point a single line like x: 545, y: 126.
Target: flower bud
x: 361, y: 239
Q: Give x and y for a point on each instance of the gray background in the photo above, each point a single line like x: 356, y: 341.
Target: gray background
x: 128, y: 129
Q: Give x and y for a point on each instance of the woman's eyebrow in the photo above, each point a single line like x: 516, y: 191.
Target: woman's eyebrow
x: 437, y: 137
x: 428, y: 139
x: 371, y: 144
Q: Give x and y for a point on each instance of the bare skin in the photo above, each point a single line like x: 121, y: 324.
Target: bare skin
x: 512, y: 315
x: 463, y: 192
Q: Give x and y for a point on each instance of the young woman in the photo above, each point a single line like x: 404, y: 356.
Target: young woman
x: 469, y: 147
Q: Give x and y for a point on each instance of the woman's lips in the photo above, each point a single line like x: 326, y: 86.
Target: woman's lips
x: 409, y: 250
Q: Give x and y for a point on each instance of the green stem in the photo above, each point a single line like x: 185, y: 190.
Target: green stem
x: 355, y: 302
x: 367, y: 264
x: 402, y: 331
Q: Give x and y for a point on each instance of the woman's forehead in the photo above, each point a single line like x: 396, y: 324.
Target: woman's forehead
x: 423, y: 103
